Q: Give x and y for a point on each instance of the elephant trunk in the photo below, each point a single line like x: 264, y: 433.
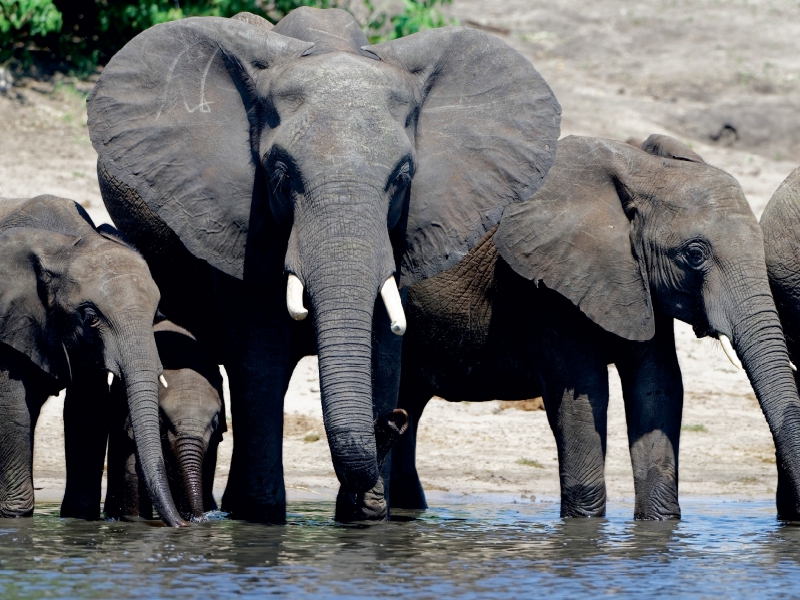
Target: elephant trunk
x: 190, y: 452
x: 759, y: 342
x: 139, y: 369
x: 344, y: 256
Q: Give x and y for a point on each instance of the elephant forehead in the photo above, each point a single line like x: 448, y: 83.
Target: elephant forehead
x: 114, y: 271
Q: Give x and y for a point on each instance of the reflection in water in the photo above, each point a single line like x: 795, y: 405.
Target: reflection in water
x: 470, y: 551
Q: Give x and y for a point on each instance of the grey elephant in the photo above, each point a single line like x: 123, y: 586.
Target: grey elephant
x: 74, y: 305
x: 192, y: 424
x: 592, y: 270
x: 267, y: 174
x: 780, y: 224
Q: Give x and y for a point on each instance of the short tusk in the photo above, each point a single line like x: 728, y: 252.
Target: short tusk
x: 793, y: 366
x: 163, y: 380
x: 294, y: 298
x: 729, y: 351
x: 110, y: 379
x: 394, y: 306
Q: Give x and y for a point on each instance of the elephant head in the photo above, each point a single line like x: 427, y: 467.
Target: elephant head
x: 193, y: 413
x: 89, y: 298
x: 348, y: 165
x: 622, y: 232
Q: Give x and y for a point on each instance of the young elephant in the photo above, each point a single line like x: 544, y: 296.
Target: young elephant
x: 592, y: 270
x: 192, y: 424
x: 780, y: 224
x: 74, y: 305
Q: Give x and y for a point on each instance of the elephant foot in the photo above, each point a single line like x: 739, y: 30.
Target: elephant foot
x: 583, y: 501
x: 271, y: 514
x: 407, y: 492
x: 371, y: 505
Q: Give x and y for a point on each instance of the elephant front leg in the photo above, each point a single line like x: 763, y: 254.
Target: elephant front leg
x: 407, y: 491
x: 259, y: 375
x: 86, y: 415
x: 653, y: 392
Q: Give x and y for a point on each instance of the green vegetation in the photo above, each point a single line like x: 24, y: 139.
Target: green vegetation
x: 529, y: 462
x: 694, y: 427
x: 311, y: 436
x: 79, y: 35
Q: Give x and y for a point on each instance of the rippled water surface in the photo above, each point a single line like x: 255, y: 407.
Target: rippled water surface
x: 465, y: 551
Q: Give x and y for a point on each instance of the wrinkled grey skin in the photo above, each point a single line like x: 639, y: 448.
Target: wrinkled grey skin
x: 232, y: 154
x: 780, y: 224
x: 192, y: 424
x: 74, y: 304
x: 590, y: 271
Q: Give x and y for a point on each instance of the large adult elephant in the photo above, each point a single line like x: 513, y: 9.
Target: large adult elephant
x: 592, y: 270
x: 75, y: 305
x: 780, y: 224
x: 258, y: 168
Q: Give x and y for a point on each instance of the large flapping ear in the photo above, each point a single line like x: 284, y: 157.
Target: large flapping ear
x: 574, y: 237
x: 28, y: 259
x: 172, y: 117
x: 663, y: 145
x: 486, y: 136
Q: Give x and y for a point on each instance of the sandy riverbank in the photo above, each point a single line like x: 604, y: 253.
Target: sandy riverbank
x: 723, y: 77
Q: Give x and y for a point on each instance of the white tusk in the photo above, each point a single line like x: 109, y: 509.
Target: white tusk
x: 110, y: 379
x: 793, y: 366
x: 394, y: 306
x: 729, y: 351
x: 163, y: 380
x: 294, y: 298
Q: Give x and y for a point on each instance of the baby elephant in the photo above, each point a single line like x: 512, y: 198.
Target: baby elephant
x: 192, y: 423
x: 781, y: 226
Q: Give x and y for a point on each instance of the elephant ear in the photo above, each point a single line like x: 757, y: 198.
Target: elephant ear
x: 486, y: 136
x: 668, y: 147
x: 29, y: 260
x: 172, y: 118
x: 574, y: 237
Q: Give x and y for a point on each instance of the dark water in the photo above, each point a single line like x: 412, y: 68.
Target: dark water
x: 466, y: 551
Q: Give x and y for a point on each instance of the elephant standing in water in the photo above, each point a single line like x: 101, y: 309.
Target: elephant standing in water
x: 192, y: 424
x: 249, y: 163
x: 780, y: 224
x: 75, y: 305
x: 592, y: 270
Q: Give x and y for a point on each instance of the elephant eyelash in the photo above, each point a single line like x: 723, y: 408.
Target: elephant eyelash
x: 90, y: 317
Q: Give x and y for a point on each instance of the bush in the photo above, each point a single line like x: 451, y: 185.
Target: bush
x: 78, y: 35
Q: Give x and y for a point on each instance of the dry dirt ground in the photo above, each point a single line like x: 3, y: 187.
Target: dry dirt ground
x: 723, y: 76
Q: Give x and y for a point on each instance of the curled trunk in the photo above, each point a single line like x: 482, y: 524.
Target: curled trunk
x: 190, y: 452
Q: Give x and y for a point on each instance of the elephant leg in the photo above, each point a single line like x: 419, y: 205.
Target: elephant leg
x: 86, y: 417
x: 22, y: 394
x: 575, y: 385
x: 407, y: 489
x: 653, y: 392
x: 209, y: 470
x: 259, y: 374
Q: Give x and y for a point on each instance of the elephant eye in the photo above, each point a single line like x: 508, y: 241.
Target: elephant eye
x: 90, y: 317
x: 696, y: 254
x: 403, y: 175
x: 280, y: 179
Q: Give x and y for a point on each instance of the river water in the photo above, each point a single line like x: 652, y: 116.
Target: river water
x: 719, y: 549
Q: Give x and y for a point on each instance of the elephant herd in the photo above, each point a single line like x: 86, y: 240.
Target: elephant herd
x: 282, y: 191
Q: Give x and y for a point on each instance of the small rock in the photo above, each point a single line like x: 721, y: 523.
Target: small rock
x: 6, y: 81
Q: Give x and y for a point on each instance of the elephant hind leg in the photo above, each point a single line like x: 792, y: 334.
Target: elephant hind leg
x: 575, y: 390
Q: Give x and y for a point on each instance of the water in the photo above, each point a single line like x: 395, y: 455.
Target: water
x: 733, y: 549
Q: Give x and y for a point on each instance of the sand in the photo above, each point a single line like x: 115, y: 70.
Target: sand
x: 724, y: 77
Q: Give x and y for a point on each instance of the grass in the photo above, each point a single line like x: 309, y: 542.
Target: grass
x: 529, y: 462
x: 311, y: 436
x: 694, y: 427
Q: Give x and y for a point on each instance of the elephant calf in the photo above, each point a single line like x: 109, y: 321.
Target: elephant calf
x: 192, y: 424
x: 780, y: 224
x: 75, y: 304
x: 592, y: 270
